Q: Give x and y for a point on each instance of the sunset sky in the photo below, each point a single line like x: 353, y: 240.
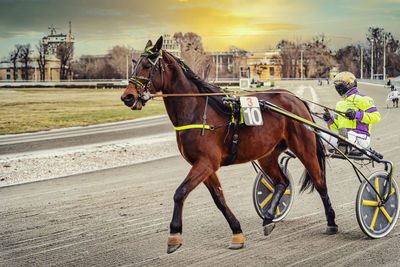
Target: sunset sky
x: 98, y: 25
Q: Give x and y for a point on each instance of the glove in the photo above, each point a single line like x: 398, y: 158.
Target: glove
x: 351, y: 114
x: 326, y: 116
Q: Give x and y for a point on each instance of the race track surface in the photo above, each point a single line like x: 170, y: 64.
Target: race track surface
x: 121, y: 216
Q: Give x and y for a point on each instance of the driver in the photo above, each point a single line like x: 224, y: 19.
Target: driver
x: 359, y: 112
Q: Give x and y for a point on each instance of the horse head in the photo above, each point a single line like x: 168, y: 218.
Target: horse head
x: 147, y: 77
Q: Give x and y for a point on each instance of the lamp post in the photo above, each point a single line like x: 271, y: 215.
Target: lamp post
x: 384, y: 56
x: 362, y: 63
x: 301, y: 64
x: 127, y: 68
x: 372, y: 59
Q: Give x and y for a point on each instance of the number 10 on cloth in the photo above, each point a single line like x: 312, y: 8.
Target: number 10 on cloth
x: 251, y: 111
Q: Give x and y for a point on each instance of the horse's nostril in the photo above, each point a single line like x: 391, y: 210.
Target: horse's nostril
x: 127, y: 98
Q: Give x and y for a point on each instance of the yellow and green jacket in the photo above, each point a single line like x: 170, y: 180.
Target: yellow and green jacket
x: 366, y: 113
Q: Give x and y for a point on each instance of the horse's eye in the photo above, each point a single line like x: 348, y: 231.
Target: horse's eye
x: 146, y: 66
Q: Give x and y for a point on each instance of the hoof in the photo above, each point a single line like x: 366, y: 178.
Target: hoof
x: 268, y: 228
x: 173, y: 248
x: 236, y: 246
x: 174, y: 242
x: 237, y: 241
x: 331, y: 230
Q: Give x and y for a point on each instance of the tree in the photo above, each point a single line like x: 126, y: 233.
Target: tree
x: 348, y: 59
x: 14, y: 56
x: 65, y: 53
x: 318, y: 59
x: 43, y: 50
x: 192, y: 52
x: 289, y: 58
x: 25, y: 59
x: 117, y: 58
x: 239, y: 59
x: 393, y: 57
x: 93, y: 67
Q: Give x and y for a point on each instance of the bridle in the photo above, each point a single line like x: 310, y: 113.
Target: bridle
x: 142, y: 88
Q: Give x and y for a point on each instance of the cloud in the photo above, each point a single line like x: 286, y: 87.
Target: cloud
x: 248, y: 24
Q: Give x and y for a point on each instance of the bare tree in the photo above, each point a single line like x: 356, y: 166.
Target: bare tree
x: 43, y: 50
x: 348, y: 59
x: 25, y: 59
x: 14, y: 56
x: 239, y: 59
x: 289, y: 58
x: 117, y: 59
x: 378, y: 37
x: 393, y: 56
x: 318, y: 58
x: 192, y: 52
x: 65, y: 53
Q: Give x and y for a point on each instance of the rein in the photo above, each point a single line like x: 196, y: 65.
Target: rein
x: 244, y: 94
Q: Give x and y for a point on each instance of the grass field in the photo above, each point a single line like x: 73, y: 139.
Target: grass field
x: 35, y: 109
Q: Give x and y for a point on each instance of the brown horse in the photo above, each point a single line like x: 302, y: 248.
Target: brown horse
x: 158, y: 71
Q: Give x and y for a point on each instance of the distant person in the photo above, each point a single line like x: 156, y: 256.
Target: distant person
x: 327, y: 81
x: 359, y: 112
x: 394, y: 96
x: 319, y: 82
x: 389, y: 83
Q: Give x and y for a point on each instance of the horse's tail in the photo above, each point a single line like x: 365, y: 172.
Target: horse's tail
x: 306, y: 178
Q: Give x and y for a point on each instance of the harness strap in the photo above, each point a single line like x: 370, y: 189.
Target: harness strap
x: 194, y: 126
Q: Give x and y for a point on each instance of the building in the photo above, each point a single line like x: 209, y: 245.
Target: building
x: 264, y: 65
x: 171, y: 45
x: 53, y: 40
x: 52, y: 71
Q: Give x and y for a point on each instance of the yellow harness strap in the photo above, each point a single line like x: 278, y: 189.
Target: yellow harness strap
x: 192, y: 126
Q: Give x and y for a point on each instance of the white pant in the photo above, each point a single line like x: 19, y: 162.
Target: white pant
x: 362, y: 140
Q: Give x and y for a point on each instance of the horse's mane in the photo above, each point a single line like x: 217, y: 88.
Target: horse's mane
x: 205, y: 87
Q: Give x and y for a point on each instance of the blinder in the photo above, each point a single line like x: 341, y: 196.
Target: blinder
x: 143, y: 87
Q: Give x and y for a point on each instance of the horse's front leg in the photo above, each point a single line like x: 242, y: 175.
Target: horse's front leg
x: 269, y: 214
x: 215, y: 189
x: 199, y: 172
x: 271, y: 167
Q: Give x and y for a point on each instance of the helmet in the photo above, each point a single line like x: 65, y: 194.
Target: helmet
x: 344, y: 82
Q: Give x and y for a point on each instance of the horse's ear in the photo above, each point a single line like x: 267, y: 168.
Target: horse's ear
x: 149, y: 43
x: 158, y: 45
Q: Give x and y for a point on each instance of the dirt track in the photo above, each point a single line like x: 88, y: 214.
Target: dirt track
x: 121, y: 216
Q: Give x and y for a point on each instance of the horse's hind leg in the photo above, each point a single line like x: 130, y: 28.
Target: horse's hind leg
x: 271, y: 167
x: 215, y: 189
x: 313, y: 173
x: 199, y: 172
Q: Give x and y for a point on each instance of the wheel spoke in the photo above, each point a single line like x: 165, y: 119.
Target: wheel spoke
x: 391, y: 193
x: 267, y: 185
x: 266, y: 200
x: 370, y: 203
x: 377, y: 188
x: 374, y: 219
x: 386, y: 214
x: 287, y: 192
x: 277, y: 211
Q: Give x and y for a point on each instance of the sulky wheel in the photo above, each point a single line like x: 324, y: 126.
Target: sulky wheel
x: 262, y: 193
x: 375, y: 218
